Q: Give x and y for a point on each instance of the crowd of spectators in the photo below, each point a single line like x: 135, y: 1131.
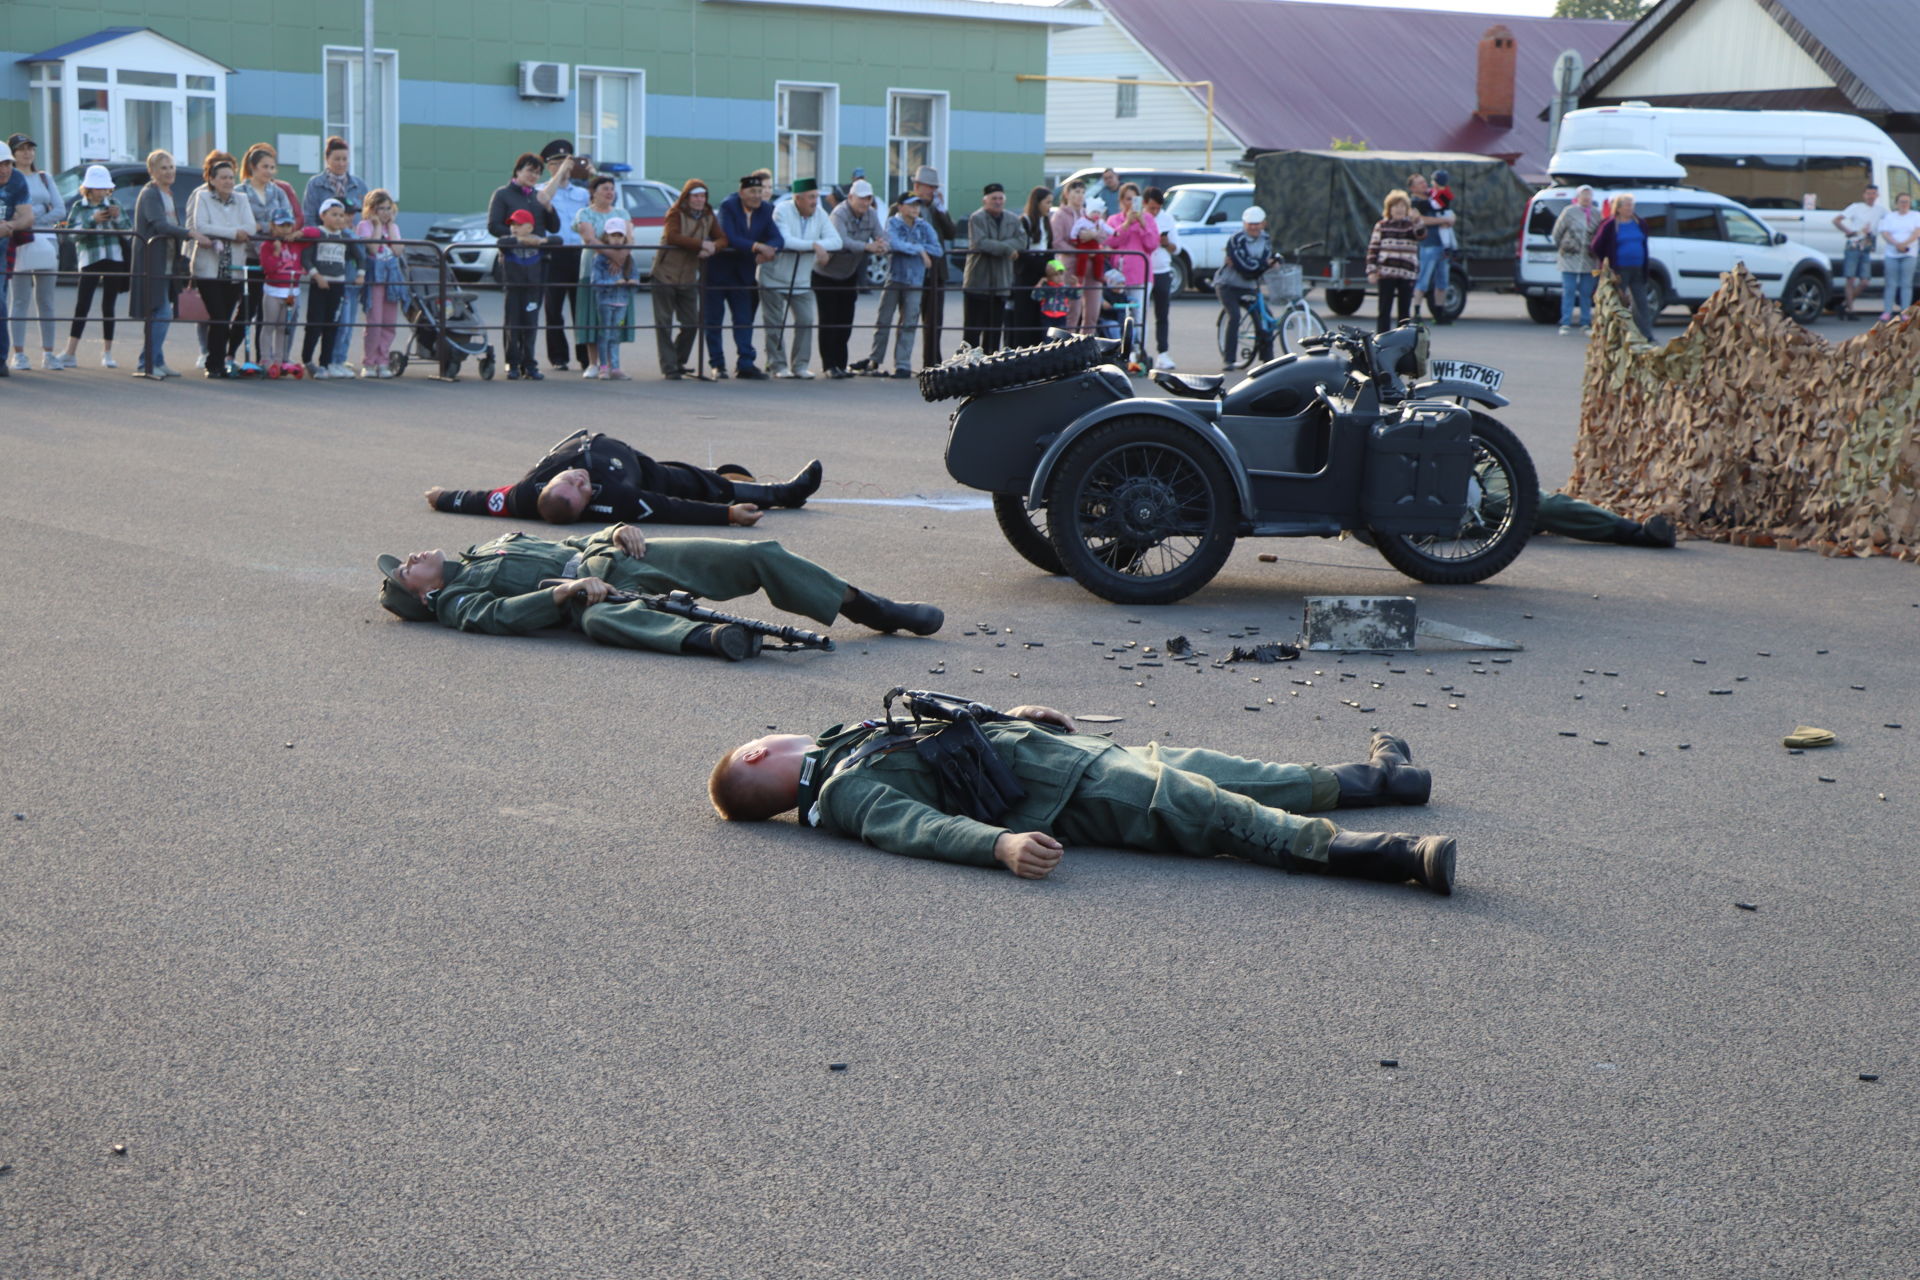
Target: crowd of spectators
x: 783, y: 274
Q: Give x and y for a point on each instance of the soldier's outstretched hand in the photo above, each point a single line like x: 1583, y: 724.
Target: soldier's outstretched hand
x: 1045, y: 715
x: 744, y: 513
x: 1028, y: 854
x: 433, y: 496
x: 631, y: 541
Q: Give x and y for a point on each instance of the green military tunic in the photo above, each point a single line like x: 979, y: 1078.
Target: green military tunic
x: 495, y: 587
x: 1080, y: 788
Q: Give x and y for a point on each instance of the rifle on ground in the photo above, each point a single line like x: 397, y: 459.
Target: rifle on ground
x: 683, y: 604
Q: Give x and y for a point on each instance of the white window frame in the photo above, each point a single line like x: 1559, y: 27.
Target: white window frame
x: 937, y: 148
x: 636, y: 149
x: 829, y: 129
x: 54, y: 88
x: 388, y: 61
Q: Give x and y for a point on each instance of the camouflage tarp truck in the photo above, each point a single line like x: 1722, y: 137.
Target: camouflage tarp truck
x: 1334, y: 197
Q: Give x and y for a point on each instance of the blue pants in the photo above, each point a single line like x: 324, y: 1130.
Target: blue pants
x: 1899, y: 290
x: 1576, y: 292
x: 1433, y: 265
x: 153, y: 352
x: 742, y: 298
x: 613, y: 318
x: 6, y: 283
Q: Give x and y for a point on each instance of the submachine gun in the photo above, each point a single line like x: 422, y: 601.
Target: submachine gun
x: 685, y: 605
x: 944, y: 731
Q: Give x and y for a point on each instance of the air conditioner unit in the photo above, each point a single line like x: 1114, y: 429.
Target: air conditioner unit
x: 543, y: 80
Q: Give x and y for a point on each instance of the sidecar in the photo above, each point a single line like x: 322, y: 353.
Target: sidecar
x: 1141, y: 498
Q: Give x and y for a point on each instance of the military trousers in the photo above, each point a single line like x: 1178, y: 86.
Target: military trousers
x: 1572, y: 518
x: 1203, y: 803
x: 712, y: 569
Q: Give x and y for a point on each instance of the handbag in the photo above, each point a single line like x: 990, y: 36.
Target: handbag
x: 190, y: 307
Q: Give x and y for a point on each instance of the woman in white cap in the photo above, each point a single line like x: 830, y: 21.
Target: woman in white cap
x: 36, y: 264
x: 1248, y: 255
x: 102, y: 257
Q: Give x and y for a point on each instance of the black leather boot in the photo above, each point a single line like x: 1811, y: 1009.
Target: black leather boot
x: 883, y: 614
x: 1387, y: 777
x: 1657, y: 532
x: 794, y: 493
x: 1376, y: 855
x: 727, y: 640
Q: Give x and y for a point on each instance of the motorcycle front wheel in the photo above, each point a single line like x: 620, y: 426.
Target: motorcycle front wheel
x: 1503, y: 497
x: 1026, y: 531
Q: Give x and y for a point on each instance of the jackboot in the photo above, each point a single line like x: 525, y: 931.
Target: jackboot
x: 794, y: 493
x: 1376, y: 855
x: 883, y: 614
x: 1657, y: 532
x: 727, y: 640
x: 1387, y: 777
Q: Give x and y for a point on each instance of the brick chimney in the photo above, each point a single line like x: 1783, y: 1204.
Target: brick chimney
x: 1495, y: 80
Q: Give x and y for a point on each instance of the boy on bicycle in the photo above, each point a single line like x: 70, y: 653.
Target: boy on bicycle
x: 1249, y: 254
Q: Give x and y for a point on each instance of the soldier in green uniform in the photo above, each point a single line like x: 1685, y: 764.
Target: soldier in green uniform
x: 496, y: 587
x: 1084, y: 789
x: 1572, y: 518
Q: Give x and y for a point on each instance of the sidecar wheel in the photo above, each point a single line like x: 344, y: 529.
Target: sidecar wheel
x: 1026, y: 531
x: 1014, y: 367
x: 1142, y: 512
x: 1498, y: 522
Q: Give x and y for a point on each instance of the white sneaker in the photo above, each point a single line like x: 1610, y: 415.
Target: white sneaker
x: 591, y: 370
x: 803, y: 372
x: 1163, y: 361
x: 107, y: 361
x: 341, y: 371
x: 21, y: 360
x: 165, y: 372
x: 785, y: 373
x: 1565, y: 329
x: 384, y: 373
x: 200, y: 361
x: 365, y: 371
x: 319, y: 371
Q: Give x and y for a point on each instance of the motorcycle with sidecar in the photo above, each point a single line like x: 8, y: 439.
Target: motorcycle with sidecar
x: 1141, y: 498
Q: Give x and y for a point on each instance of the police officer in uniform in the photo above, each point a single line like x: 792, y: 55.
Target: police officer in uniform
x: 499, y: 588
x: 594, y: 476
x: 1083, y: 789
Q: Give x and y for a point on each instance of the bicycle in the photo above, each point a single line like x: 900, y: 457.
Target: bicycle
x: 1283, y: 286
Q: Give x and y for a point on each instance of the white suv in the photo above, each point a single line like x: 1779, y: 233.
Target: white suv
x: 1204, y: 214
x: 1694, y: 237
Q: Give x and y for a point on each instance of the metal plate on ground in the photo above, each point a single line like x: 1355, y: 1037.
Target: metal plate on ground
x: 1347, y: 624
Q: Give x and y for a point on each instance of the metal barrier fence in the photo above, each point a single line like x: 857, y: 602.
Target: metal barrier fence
x: 442, y: 324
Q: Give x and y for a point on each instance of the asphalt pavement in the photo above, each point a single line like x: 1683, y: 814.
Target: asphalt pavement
x: 336, y: 946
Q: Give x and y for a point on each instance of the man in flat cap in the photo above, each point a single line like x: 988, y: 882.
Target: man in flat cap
x: 518, y: 585
x: 746, y: 219
x: 807, y: 240
x: 995, y: 240
x: 933, y: 293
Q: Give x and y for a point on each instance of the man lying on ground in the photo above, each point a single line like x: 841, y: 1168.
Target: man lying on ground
x: 594, y: 476
x: 1572, y: 518
x: 517, y: 585
x: 874, y: 784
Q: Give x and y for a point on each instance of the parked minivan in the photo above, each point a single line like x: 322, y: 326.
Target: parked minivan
x: 1796, y: 169
x: 1693, y: 238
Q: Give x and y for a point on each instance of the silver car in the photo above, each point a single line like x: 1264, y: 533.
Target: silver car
x: 472, y: 253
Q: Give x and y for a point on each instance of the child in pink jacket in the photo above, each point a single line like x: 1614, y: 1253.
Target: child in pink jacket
x: 1135, y: 236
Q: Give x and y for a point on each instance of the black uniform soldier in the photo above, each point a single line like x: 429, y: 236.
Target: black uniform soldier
x: 517, y: 585
x: 594, y: 476
x: 873, y: 781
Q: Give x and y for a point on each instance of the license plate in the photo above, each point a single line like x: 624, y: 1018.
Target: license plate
x: 1542, y: 258
x: 1464, y: 371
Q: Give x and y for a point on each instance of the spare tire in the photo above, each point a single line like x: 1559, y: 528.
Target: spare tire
x: 1014, y: 367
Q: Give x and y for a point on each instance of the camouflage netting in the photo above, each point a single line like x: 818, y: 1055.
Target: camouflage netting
x: 1749, y: 429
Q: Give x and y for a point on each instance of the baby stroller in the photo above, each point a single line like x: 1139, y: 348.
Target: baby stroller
x: 446, y: 328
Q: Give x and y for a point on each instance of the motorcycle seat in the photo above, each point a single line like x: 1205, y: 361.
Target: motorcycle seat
x: 1194, y: 386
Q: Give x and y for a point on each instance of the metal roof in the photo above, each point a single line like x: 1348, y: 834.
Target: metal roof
x: 108, y: 35
x: 1295, y: 76
x: 1870, y: 47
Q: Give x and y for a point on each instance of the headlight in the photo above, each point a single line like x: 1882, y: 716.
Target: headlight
x: 471, y: 234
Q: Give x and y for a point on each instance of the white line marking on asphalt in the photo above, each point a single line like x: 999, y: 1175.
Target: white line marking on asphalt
x: 951, y: 502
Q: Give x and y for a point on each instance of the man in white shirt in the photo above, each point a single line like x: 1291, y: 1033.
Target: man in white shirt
x: 1859, y: 222
x: 810, y: 241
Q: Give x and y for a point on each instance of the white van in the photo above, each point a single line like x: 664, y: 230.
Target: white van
x: 1796, y: 169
